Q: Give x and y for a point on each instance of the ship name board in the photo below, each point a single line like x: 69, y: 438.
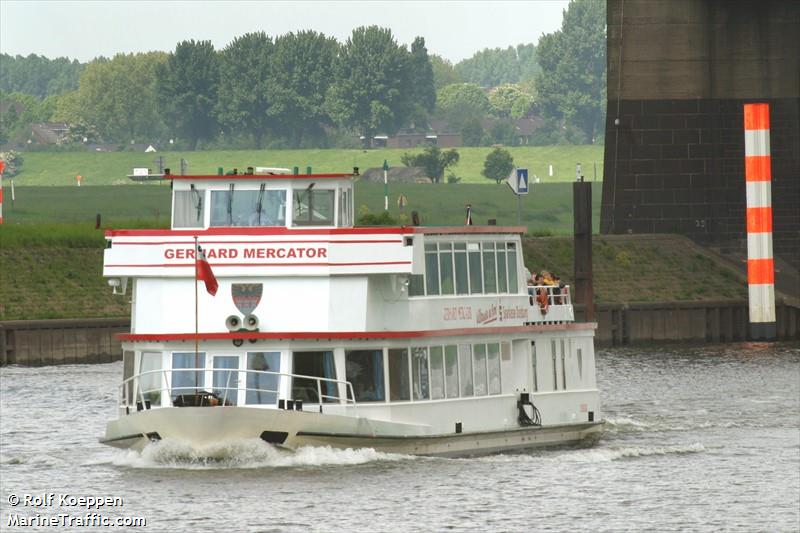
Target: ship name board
x: 284, y: 252
x: 485, y: 316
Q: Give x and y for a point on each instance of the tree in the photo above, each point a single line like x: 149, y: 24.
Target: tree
x: 443, y: 72
x: 38, y: 75
x: 187, y: 90
x: 496, y: 66
x: 371, y: 91
x: 498, y: 165
x: 13, y: 161
x: 472, y: 132
x: 572, y: 84
x: 461, y: 101
x: 510, y: 102
x: 116, y: 98
x: 301, y: 72
x: 433, y: 160
x: 423, y: 92
x: 243, y: 100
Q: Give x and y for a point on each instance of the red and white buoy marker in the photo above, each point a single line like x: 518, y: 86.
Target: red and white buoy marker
x: 760, y: 263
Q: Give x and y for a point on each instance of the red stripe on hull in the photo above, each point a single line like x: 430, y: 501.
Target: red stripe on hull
x: 352, y: 335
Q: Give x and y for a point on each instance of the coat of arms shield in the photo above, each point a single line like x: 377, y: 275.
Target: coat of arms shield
x: 246, y: 296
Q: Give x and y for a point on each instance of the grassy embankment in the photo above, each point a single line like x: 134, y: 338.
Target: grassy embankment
x: 60, y: 168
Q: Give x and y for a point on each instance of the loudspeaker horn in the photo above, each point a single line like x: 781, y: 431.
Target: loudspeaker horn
x: 233, y: 323
x: 251, y: 322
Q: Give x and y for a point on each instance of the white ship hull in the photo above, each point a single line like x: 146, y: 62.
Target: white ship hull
x: 202, y: 427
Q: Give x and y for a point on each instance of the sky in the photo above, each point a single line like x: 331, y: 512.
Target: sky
x: 83, y: 30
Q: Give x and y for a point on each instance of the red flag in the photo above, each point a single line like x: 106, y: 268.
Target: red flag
x: 204, y: 272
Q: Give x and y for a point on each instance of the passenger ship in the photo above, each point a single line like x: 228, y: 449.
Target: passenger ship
x: 411, y: 339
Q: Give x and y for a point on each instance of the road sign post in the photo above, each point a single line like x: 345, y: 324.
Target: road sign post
x: 518, y: 181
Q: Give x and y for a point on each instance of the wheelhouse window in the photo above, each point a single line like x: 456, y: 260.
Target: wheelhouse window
x: 191, y: 380
x: 262, y: 385
x: 431, y: 270
x: 314, y: 207
x: 399, y: 377
x: 187, y: 209
x: 364, y: 370
x: 345, y: 208
x: 248, y: 208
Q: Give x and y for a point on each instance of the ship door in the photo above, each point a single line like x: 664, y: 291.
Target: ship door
x: 316, y: 365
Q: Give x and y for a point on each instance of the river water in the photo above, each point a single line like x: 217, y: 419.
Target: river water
x: 703, y: 438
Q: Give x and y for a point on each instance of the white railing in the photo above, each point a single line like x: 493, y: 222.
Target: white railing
x: 132, y: 392
x: 555, y: 295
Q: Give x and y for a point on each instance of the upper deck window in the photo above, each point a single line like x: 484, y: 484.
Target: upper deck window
x: 248, y: 208
x: 187, y: 211
x: 314, y: 207
x: 467, y: 268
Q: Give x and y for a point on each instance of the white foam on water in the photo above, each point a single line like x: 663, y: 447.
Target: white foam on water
x: 599, y: 455
x: 245, y: 453
x: 626, y: 423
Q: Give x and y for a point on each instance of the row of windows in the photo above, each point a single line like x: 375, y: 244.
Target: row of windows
x: 467, y: 268
x: 419, y: 373
x: 312, y: 207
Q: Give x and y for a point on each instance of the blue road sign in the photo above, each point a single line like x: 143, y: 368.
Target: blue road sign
x: 522, y: 181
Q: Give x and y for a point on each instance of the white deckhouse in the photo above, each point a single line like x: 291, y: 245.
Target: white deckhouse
x: 423, y: 340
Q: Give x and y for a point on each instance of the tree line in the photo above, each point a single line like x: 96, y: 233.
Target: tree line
x: 306, y: 89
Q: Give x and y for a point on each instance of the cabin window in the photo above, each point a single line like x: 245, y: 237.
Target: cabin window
x: 580, y: 364
x: 533, y: 365
x: 489, y: 269
x: 399, y: 378
x: 419, y: 371
x: 446, y: 268
x: 475, y: 269
x: 465, y: 369
x: 563, y: 366
x: 451, y: 371
x: 150, y: 379
x: 479, y: 367
x: 225, y: 379
x: 364, y: 370
x: 188, y: 381
x: 493, y: 364
x: 313, y: 207
x: 127, y: 374
x: 555, y: 364
x: 187, y: 209
x: 431, y: 270
x: 513, y: 280
x: 460, y: 260
x: 248, y: 208
x: 318, y: 365
x: 437, y: 373
x: 262, y: 383
x: 502, y: 278
x: 416, y: 285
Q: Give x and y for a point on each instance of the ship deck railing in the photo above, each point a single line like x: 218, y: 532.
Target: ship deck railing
x: 139, y: 391
x: 556, y: 295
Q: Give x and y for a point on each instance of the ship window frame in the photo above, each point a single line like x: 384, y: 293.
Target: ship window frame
x: 497, y: 368
x: 406, y: 373
x: 251, y: 387
x: 196, y: 200
x: 436, y: 376
x: 477, y: 367
x: 311, y: 195
x: 379, y: 386
x: 423, y: 380
x: 451, y: 350
x: 466, y: 387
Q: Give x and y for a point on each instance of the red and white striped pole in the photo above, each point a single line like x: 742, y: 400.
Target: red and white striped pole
x: 760, y: 263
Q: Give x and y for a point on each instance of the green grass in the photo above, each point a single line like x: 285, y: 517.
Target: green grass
x: 547, y: 210
x: 60, y: 168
